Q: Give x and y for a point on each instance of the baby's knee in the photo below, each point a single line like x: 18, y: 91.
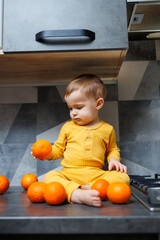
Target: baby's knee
x: 125, y: 178
x: 115, y: 176
x: 49, y: 176
x: 46, y: 177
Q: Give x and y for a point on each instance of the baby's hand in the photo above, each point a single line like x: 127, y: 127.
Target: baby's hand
x: 115, y: 164
x: 35, y: 157
x: 32, y: 154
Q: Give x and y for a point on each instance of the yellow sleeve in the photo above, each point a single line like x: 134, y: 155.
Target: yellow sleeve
x: 60, y: 145
x: 112, y: 149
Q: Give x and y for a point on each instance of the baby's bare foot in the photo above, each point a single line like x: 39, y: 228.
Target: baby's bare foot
x: 86, y: 187
x: 88, y: 197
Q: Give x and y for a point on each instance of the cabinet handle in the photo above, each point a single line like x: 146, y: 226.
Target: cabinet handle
x: 65, y: 33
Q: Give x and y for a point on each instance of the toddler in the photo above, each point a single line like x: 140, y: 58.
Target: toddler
x: 84, y: 142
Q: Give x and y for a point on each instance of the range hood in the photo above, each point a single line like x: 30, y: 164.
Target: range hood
x: 143, y: 19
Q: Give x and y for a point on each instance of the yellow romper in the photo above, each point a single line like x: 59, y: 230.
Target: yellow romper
x: 83, y: 150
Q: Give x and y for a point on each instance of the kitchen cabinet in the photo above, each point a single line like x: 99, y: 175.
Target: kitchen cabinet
x: 46, y: 69
x: 93, y: 40
x: 64, y: 25
x: 1, y: 14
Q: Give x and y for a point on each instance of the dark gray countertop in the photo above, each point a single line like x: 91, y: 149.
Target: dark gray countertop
x: 19, y: 216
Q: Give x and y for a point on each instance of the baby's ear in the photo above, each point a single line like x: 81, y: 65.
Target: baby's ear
x: 100, y: 102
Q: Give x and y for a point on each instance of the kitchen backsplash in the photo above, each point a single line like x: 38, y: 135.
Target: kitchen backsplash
x: 132, y: 107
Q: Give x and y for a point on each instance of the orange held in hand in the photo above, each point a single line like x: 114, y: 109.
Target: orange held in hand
x: 41, y: 149
x: 4, y: 184
x: 54, y: 193
x: 101, y: 186
x: 119, y: 192
x: 28, y: 179
x: 35, y: 192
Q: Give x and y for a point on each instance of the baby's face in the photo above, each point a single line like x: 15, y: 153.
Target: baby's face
x: 83, y: 109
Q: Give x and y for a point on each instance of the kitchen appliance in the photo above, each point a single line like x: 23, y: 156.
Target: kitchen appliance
x: 146, y: 189
x: 143, y: 19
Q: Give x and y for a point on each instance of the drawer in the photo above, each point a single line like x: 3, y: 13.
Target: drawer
x: 64, y: 25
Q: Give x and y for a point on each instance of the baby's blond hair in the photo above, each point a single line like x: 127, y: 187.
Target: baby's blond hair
x: 90, y: 84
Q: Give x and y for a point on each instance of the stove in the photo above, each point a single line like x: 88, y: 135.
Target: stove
x: 146, y: 189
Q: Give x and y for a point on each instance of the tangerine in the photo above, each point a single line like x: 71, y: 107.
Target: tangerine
x: 101, y: 185
x: 4, y: 184
x: 54, y: 193
x: 119, y: 192
x: 42, y: 149
x: 35, y: 192
x: 28, y: 179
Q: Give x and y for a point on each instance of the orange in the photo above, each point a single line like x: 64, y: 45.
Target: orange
x: 28, y: 179
x: 42, y: 149
x: 54, y: 193
x: 35, y: 192
x: 119, y: 192
x: 4, y: 184
x: 101, y: 186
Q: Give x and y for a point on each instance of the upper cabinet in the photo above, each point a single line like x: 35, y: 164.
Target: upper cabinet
x: 64, y: 25
x: 1, y: 14
x: 75, y: 37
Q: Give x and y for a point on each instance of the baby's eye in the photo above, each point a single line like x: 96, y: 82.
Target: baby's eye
x: 79, y: 107
x: 70, y: 109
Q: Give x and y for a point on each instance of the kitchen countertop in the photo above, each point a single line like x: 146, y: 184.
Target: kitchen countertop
x: 20, y: 216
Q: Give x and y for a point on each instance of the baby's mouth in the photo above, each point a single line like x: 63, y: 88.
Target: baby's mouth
x: 76, y: 119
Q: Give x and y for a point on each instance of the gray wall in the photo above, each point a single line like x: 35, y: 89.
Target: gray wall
x: 132, y: 107
x: 139, y: 107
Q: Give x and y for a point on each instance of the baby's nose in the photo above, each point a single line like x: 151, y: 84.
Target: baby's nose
x: 74, y: 112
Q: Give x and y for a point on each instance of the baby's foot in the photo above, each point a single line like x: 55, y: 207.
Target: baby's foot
x: 86, y: 187
x: 88, y: 197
